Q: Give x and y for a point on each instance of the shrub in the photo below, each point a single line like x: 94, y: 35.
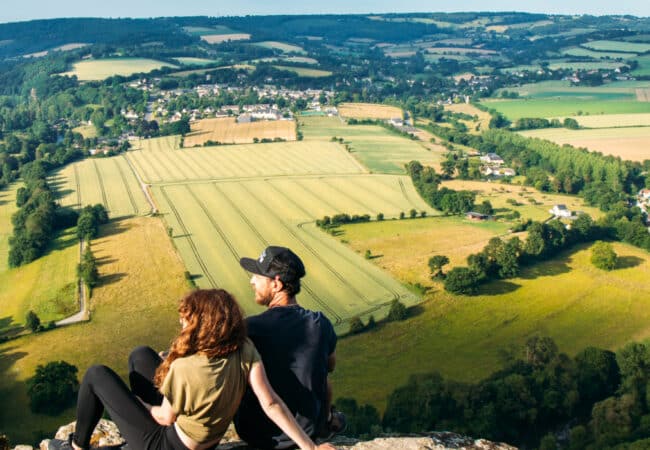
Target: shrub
x: 397, y: 311
x: 32, y: 321
x: 356, y: 325
x: 462, y: 280
x: 53, y: 387
x: 603, y: 256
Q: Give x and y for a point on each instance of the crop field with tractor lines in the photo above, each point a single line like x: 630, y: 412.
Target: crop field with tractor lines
x: 109, y: 181
x: 226, y: 130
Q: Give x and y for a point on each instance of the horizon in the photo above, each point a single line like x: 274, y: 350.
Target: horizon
x: 34, y: 10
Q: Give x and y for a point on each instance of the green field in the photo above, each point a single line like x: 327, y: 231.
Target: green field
x: 187, y: 61
x: 617, y: 46
x: 214, y: 224
x: 375, y: 147
x: 462, y: 337
x: 109, y: 181
x: 46, y: 286
x: 7, y: 209
x: 224, y: 202
x: 282, y: 46
x: 515, y: 109
x: 306, y: 71
x: 644, y: 66
x: 580, y: 51
x: 100, y: 69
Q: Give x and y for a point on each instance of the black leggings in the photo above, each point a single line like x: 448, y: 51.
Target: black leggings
x: 102, y: 388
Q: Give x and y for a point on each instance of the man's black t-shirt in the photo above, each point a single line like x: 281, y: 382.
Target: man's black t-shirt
x: 294, y: 344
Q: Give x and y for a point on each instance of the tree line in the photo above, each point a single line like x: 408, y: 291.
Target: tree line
x: 426, y: 182
x: 599, y: 396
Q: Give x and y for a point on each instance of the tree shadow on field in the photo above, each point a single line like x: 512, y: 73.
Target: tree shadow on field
x: 414, y: 311
x: 556, y: 266
x: 63, y: 240
x: 113, y: 227
x: 627, y: 262
x: 104, y: 260
x: 498, y: 287
x: 110, y: 278
x: 8, y: 328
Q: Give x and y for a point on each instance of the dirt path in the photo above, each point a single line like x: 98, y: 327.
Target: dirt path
x: 83, y: 314
x: 144, y: 186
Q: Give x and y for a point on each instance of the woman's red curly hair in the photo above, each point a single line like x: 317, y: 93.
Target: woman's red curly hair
x: 215, y: 327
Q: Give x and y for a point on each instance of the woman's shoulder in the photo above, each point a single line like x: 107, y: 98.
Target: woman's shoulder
x: 249, y: 352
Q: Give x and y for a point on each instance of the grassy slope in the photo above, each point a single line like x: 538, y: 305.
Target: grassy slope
x: 463, y: 337
x: 45, y: 286
x: 133, y: 305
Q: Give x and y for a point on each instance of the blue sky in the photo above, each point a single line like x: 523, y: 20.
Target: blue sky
x: 41, y: 9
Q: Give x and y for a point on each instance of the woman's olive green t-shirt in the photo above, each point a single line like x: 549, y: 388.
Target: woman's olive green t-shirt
x: 205, y: 392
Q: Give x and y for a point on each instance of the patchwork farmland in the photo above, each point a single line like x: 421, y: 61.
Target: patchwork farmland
x: 224, y: 202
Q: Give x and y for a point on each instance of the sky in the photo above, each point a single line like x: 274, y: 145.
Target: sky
x: 45, y: 9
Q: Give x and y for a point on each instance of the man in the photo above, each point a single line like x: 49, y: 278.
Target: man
x: 297, y: 349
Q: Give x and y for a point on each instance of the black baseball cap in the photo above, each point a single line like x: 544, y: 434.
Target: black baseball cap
x: 290, y: 267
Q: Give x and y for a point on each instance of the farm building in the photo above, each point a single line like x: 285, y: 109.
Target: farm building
x: 560, y: 211
x: 498, y: 172
x: 472, y: 215
x: 492, y: 158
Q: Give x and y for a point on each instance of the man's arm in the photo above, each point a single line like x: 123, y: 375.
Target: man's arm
x: 331, y: 362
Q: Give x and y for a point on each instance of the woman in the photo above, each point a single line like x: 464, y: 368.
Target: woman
x: 187, y: 400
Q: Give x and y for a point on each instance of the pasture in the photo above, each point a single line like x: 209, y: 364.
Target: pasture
x: 613, y: 120
x: 214, y: 224
x: 617, y: 46
x: 7, y: 209
x: 531, y: 203
x: 87, y: 131
x: 188, y: 61
x: 369, y: 111
x: 464, y: 338
x: 375, y: 147
x: 306, y: 71
x: 459, y: 51
x: 282, y: 46
x: 226, y: 130
x: 219, y: 38
x: 583, y: 52
x: 643, y: 68
x: 99, y: 69
x: 628, y: 143
x: 160, y: 160
x: 46, y: 286
x: 549, y: 107
x: 454, y: 237
x: 132, y: 305
x: 109, y: 181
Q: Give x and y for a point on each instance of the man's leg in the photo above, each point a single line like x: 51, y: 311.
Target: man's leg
x: 143, y: 362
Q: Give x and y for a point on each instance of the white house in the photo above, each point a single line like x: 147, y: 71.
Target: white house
x: 560, y: 211
x: 492, y: 158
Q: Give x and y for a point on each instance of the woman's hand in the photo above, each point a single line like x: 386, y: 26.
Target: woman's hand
x: 163, y: 414
x: 325, y: 446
